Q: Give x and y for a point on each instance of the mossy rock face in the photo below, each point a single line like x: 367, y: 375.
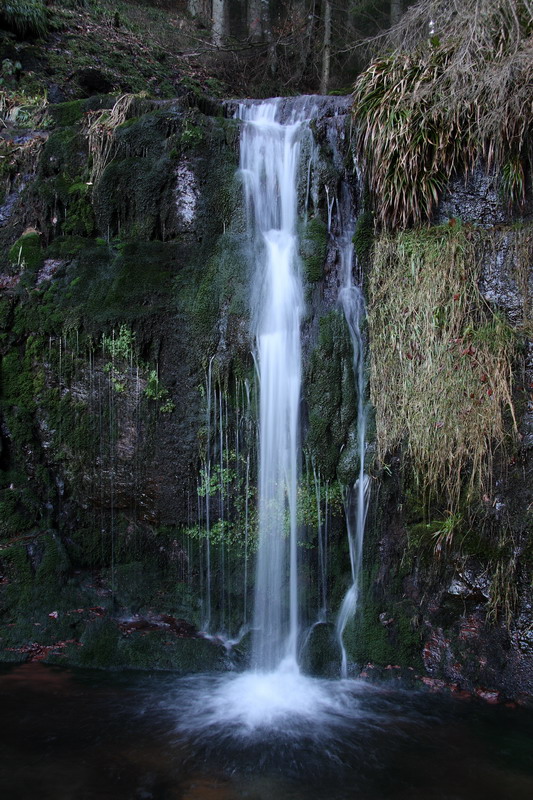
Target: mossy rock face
x: 12, y: 657
x: 386, y: 628
x: 64, y: 115
x: 5, y: 313
x: 99, y: 646
x: 363, y: 238
x: 64, y: 156
x: 145, y: 136
x: 104, y: 646
x: 158, y: 650
x: 79, y: 215
x: 330, y: 395
x: 313, y: 249
x: 133, y: 196
x: 103, y: 284
x: 141, y: 189
x: 223, y: 285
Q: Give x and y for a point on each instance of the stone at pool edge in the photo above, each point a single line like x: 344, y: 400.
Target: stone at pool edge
x: 104, y: 646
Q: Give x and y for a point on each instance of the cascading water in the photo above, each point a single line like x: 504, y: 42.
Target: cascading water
x: 274, y: 696
x: 269, y: 163
x: 357, y: 497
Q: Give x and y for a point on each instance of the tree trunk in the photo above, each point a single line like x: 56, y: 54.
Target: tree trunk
x: 396, y: 11
x: 199, y: 8
x: 326, y: 48
x: 255, y: 25
x: 219, y: 18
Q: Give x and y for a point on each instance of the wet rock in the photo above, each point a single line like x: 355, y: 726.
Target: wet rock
x: 434, y: 651
x: 475, y: 199
x: 321, y: 652
x: 186, y: 196
x: 48, y: 270
x: 93, y: 81
x: 489, y: 695
x: 159, y: 642
x: 55, y: 94
x: 178, y: 627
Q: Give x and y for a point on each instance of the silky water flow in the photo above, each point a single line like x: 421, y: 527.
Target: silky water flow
x: 274, y: 697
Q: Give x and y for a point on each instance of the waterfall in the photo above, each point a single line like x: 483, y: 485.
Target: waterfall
x: 357, y: 497
x: 275, y: 696
x: 270, y: 154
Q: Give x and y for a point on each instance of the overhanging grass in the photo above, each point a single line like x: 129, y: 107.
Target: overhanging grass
x: 455, y: 88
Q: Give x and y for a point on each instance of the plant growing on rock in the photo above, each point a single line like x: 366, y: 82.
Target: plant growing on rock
x: 441, y: 361
x: 456, y: 88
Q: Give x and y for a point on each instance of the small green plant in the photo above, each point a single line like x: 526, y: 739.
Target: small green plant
x: 120, y: 345
x: 191, y: 135
x: 10, y: 71
x: 167, y: 407
x: 155, y: 391
x: 444, y: 536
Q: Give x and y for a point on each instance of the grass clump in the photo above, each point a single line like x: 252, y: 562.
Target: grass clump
x: 455, y: 88
x: 24, y: 17
x: 101, y: 126
x: 441, y: 361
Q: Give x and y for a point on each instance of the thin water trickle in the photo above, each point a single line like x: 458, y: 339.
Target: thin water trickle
x: 357, y: 497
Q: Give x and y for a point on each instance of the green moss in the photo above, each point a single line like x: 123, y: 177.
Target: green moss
x: 321, y: 656
x: 19, y: 510
x: 384, y: 631
x: 99, y: 645
x: 54, y: 564
x: 330, y: 394
x: 27, y: 252
x: 20, y: 576
x: 224, y: 284
x: 363, y: 238
x: 127, y: 199
x: 66, y: 247
x: 65, y: 114
x: 36, y: 316
x: 162, y: 650
x: 21, y: 378
x: 63, y: 157
x: 79, y: 213
x: 313, y: 248
x: 141, y: 270
x: 5, y: 312
x: 421, y: 534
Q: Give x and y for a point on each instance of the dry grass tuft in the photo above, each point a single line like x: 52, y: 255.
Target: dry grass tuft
x: 441, y: 361
x: 457, y: 86
x: 101, y: 126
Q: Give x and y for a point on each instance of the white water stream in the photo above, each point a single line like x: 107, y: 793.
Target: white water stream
x: 274, y: 695
x: 357, y: 497
x: 269, y: 162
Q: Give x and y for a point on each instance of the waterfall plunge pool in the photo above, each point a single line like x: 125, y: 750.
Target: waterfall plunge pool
x: 79, y: 735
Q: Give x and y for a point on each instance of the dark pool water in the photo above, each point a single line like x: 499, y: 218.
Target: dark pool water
x: 72, y: 735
